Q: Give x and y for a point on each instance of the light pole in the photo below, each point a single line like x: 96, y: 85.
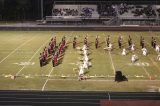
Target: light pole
x: 41, y: 9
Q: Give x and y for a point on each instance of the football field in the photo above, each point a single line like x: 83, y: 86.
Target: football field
x: 19, y: 56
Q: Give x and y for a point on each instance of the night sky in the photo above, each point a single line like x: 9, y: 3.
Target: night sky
x: 22, y: 10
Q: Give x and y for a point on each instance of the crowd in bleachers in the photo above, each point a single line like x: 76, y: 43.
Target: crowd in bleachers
x: 106, y: 10
x: 124, y: 8
x: 144, y: 11
x: 65, y: 12
x: 158, y: 10
x: 87, y: 12
x: 137, y: 10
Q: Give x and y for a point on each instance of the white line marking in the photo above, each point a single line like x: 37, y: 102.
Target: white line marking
x: 143, y: 66
x: 16, y: 49
x: 47, y: 79
x: 45, y: 84
x: 109, y: 96
x: 146, y: 72
x: 33, y: 56
x: 112, y: 62
x: 90, y: 80
x: 72, y: 76
x: 50, y: 72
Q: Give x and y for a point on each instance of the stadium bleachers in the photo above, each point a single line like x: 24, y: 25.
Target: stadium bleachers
x: 105, y: 13
x: 75, y: 10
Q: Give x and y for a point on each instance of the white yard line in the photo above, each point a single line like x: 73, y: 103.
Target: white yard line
x: 112, y: 62
x: 113, y: 67
x: 67, y: 76
x: 107, y: 62
x: 147, y: 73
x: 16, y: 50
x: 33, y: 55
x: 155, y: 64
x: 47, y: 79
x: 90, y: 80
x: 50, y: 72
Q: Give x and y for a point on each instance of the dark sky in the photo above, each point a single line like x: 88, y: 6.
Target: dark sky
x: 30, y: 9
x: 23, y: 9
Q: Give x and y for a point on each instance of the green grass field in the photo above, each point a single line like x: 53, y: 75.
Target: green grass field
x: 19, y: 53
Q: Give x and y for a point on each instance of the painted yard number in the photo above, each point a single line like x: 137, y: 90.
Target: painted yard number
x: 142, y: 64
x: 25, y: 63
x: 139, y: 64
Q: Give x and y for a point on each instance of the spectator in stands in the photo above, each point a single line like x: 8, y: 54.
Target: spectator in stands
x: 106, y: 10
x: 65, y: 12
x: 123, y: 8
x: 144, y: 11
x: 87, y: 12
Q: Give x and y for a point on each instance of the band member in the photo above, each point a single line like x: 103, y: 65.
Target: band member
x: 85, y: 41
x: 96, y: 42
x: 132, y: 47
x: 49, y: 48
x: 85, y: 58
x: 144, y: 51
x: 142, y: 42
x: 53, y: 57
x: 44, y: 57
x: 134, y: 58
x: 85, y: 64
x: 110, y: 47
x: 54, y: 42
x: 41, y: 60
x: 152, y: 41
x: 85, y: 52
x: 60, y: 49
x: 74, y: 42
x: 84, y: 47
x: 120, y: 42
x: 64, y: 40
x: 46, y: 52
x: 124, y: 52
x: 108, y: 40
x: 129, y: 41
x: 157, y: 48
x: 81, y: 72
x: 158, y: 57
